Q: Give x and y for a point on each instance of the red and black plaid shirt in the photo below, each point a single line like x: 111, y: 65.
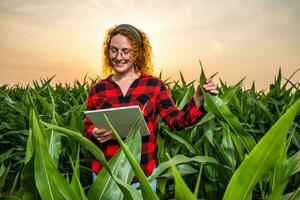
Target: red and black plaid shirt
x: 107, y: 94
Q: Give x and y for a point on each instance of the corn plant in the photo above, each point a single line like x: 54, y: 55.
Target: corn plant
x: 245, y: 147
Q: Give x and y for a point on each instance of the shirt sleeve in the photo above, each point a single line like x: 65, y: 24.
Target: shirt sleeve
x: 175, y: 118
x: 88, y: 125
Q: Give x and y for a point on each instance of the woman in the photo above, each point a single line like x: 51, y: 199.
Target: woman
x: 127, y: 58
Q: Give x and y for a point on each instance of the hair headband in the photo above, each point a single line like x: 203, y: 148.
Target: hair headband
x: 134, y: 32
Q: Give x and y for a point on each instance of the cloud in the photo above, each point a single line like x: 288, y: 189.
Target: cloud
x: 234, y: 32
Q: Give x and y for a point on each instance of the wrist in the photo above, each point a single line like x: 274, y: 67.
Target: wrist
x: 199, y: 100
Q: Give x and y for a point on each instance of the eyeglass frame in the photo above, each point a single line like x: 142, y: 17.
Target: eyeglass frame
x: 121, y: 51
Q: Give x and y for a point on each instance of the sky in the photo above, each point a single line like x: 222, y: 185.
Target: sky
x: 237, y: 38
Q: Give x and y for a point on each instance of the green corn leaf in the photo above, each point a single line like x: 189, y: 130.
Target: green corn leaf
x: 179, y: 139
x: 50, y: 183
x: 196, y: 190
x: 9, y: 198
x: 209, y: 131
x: 264, y: 156
x: 124, y: 170
x: 282, y: 172
x: 278, y: 183
x: 13, y: 188
x: 292, y: 196
x: 104, y: 187
x: 238, y: 146
x: 182, y: 80
x: 30, y: 190
x: 218, y: 107
x: 183, y: 169
x: 278, y: 190
x: 147, y: 191
x: 48, y: 107
x: 127, y: 190
x: 227, y: 146
x: 181, y: 189
x: 211, y: 190
x: 207, y: 117
x: 222, y: 112
x: 180, y: 159
x: 192, y: 134
x: 231, y: 92
x: 29, y: 147
x: 260, y: 105
x: 76, y: 121
x: 75, y: 182
x: 226, y: 97
x: 293, y: 165
x: 187, y: 96
x: 43, y: 177
x: 55, y: 139
x: 3, y: 175
x: 6, y: 155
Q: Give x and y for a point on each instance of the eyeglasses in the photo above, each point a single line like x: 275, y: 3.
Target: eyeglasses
x: 125, y: 53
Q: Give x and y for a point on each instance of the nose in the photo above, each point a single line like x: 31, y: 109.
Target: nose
x: 119, y: 56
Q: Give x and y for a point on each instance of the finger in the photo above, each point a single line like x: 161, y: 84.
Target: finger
x: 105, y: 138
x: 107, y: 133
x: 208, y: 80
x: 102, y: 140
x: 104, y: 134
x: 214, y: 91
x: 99, y: 131
x: 208, y: 88
x: 209, y: 84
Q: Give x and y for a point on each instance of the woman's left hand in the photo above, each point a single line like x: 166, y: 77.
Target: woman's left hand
x: 210, y: 87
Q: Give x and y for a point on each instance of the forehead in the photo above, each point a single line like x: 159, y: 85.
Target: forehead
x: 120, y: 41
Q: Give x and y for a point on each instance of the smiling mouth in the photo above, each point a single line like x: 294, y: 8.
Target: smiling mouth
x: 120, y: 63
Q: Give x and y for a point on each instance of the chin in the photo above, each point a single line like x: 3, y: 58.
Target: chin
x: 122, y: 69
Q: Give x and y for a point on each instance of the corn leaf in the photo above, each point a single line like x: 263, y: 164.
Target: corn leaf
x: 50, y: 183
x: 105, y: 187
x: 179, y: 139
x: 227, y: 146
x: 55, y: 139
x: 180, y: 159
x: 293, y: 165
x: 9, y: 198
x: 3, y: 175
x: 75, y: 182
x: 264, y: 156
x: 292, y: 196
x: 147, y: 191
x: 181, y: 189
x: 219, y: 108
x: 197, y: 187
x: 187, y: 96
x: 127, y: 190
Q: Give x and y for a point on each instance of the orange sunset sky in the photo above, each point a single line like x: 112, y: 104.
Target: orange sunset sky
x: 238, y: 38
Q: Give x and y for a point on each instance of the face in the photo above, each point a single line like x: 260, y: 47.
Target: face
x: 121, y: 54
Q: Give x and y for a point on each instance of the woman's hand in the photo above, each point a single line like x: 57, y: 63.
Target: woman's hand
x: 102, y: 135
x: 210, y: 87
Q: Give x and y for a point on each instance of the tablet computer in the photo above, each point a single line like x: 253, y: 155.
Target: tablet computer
x: 121, y: 118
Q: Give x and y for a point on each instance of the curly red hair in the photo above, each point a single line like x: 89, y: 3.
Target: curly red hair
x: 143, y: 62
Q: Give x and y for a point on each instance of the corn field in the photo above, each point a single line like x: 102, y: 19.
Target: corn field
x: 245, y: 147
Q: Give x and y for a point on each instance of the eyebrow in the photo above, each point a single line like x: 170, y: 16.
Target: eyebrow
x: 118, y: 49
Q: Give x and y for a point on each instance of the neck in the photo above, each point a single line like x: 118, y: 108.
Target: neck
x: 126, y: 76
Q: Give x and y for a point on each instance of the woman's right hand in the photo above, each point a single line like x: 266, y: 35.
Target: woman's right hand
x: 102, y: 135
